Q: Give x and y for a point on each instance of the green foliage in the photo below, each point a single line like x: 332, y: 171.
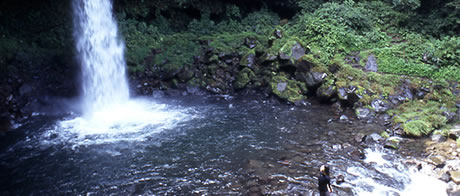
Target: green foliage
x: 140, y: 39
x: 419, y: 118
x: 405, y: 4
x: 419, y: 56
x: 179, y: 52
x: 243, y: 78
x: 290, y: 90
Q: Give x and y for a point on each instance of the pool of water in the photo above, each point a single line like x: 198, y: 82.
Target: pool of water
x: 199, y: 145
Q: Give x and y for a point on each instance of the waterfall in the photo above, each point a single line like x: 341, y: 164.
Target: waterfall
x: 101, y: 54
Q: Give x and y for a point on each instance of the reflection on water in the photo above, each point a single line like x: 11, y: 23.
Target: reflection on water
x: 203, y: 146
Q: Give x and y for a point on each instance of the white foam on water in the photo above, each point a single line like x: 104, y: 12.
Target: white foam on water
x: 109, y: 115
x: 135, y: 120
x: 414, y: 182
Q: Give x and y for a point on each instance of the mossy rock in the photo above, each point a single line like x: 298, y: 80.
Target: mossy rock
x: 292, y: 51
x: 243, y: 78
x: 248, y: 60
x: 290, y: 90
x: 327, y: 92
x: 419, y: 118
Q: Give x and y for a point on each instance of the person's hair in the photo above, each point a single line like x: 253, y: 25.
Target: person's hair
x: 326, y: 169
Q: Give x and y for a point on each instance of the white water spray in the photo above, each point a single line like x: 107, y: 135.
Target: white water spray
x: 109, y: 115
x: 101, y: 54
x: 405, y: 180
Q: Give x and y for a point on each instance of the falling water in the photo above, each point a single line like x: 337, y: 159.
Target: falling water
x: 100, y: 52
x: 109, y: 114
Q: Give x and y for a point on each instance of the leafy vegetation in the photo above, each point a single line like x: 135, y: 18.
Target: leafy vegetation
x: 418, y: 118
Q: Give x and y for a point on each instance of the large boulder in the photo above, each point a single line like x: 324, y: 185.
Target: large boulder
x: 454, y: 132
x: 248, y: 60
x: 243, y: 78
x: 392, y: 142
x: 326, y: 92
x: 371, y: 64
x: 380, y: 106
x: 314, y: 79
x: 289, y: 90
x: 291, y: 50
x: 364, y: 113
x: 438, y: 138
x: 374, y: 138
x: 455, y: 176
x: 351, y: 94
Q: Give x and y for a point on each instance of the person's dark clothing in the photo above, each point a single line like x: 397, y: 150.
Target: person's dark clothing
x: 323, y: 181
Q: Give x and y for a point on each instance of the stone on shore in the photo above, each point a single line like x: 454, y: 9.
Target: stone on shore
x: 455, y: 176
x: 438, y: 138
x: 392, y: 142
x: 455, y: 131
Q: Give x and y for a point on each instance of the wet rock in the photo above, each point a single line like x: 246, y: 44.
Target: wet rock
x: 438, y: 138
x: 340, y: 179
x: 360, y: 137
x: 344, y: 118
x: 384, y: 119
x: 326, y: 93
x: 450, y: 116
x: 351, y: 94
x: 392, y: 193
x: 250, y: 43
x: 243, y: 78
x: 397, y: 99
x: 364, y: 113
x: 374, y: 138
x: 420, y: 93
x: 293, y: 50
x: 185, y: 75
x: 269, y: 57
x: 454, y: 132
x: 357, y: 154
x: 314, y: 79
x: 343, y: 94
x: 436, y: 160
x: 407, y: 93
x: 445, y: 176
x: 214, y: 90
x: 380, y: 106
x: 392, y: 142
x: 302, y: 103
x: 337, y: 108
x: 278, y: 33
x: 281, y: 86
x: 286, y: 89
x: 455, y: 176
x: 371, y: 64
x: 248, y: 60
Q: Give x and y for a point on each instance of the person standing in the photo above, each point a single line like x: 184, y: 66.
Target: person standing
x: 324, y: 181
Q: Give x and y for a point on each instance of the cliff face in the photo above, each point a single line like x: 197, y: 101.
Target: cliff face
x: 36, y: 56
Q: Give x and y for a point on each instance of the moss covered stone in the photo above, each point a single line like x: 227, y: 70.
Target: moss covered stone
x: 290, y: 90
x: 419, y: 118
x: 243, y: 78
x: 248, y: 60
